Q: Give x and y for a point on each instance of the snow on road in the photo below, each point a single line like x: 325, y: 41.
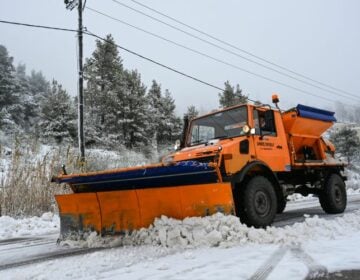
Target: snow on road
x: 215, y: 247
x: 48, y: 223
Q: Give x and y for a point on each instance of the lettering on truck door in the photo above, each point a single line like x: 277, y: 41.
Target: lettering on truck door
x: 269, y: 139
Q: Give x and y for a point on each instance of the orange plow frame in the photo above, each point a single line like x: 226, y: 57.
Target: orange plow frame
x: 117, y: 212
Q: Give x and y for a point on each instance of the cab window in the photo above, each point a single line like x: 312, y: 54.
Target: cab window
x: 264, y: 122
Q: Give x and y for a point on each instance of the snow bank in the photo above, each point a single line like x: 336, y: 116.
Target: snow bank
x: 46, y: 224
x: 226, y: 231
x: 353, y: 182
x: 299, y: 197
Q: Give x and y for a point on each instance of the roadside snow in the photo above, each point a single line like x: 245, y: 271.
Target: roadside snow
x: 46, y: 224
x: 240, y: 261
x: 220, y: 230
x: 214, y: 247
x: 353, y: 182
x: 217, y: 230
x: 299, y: 197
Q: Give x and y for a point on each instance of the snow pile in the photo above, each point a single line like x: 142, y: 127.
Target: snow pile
x: 46, y: 224
x: 299, y: 197
x: 353, y: 182
x: 225, y: 231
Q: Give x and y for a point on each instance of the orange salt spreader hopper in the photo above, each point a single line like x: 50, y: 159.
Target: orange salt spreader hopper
x: 242, y: 160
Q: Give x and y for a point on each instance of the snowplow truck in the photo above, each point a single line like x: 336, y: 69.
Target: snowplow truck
x: 242, y: 160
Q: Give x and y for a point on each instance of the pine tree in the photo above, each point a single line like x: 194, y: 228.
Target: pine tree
x: 192, y: 112
x: 133, y: 116
x: 230, y: 96
x: 155, y: 111
x: 38, y: 87
x: 103, y: 93
x: 7, y: 81
x: 170, y: 126
x: 165, y: 125
x: 26, y: 105
x: 347, y: 142
x: 8, y: 97
x: 58, y: 117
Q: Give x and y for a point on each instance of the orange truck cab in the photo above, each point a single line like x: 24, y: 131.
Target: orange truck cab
x: 242, y: 160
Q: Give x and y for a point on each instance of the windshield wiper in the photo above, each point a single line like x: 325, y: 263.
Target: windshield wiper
x: 219, y: 137
x: 200, y: 141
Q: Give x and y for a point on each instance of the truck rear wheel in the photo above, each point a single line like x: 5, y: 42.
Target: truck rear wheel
x: 333, y: 196
x: 258, y: 202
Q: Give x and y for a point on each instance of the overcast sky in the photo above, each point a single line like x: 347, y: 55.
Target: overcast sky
x: 319, y: 39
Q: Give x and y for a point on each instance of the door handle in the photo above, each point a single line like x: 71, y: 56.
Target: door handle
x: 279, y: 147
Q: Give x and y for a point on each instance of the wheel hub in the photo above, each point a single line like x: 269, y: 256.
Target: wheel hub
x: 262, y: 203
x: 338, y: 196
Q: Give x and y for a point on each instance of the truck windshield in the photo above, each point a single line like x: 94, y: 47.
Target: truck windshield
x: 224, y: 124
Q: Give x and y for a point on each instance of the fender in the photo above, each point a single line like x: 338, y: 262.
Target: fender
x: 239, y: 176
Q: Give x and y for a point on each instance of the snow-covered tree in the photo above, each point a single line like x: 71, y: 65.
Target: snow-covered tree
x: 58, y: 117
x: 230, y: 96
x: 27, y: 105
x: 133, y: 115
x: 347, y: 143
x: 38, y: 87
x: 165, y: 125
x: 102, y: 72
x: 170, y: 125
x: 103, y: 93
x: 9, y: 99
x: 192, y: 112
x: 154, y: 110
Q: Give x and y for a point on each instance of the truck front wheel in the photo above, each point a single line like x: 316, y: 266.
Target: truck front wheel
x: 258, y: 202
x: 333, y: 195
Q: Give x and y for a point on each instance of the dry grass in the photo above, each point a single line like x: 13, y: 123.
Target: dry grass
x: 25, y: 187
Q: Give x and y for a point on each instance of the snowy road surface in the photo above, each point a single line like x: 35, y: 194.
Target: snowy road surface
x: 296, y: 247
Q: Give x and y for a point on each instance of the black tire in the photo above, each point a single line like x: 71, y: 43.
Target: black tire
x: 258, y: 203
x: 333, y: 195
x: 281, y: 204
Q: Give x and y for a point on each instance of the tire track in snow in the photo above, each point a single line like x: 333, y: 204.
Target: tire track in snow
x: 316, y: 270
x: 263, y: 271
x: 51, y: 256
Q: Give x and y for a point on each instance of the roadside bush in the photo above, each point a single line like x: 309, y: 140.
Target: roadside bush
x: 27, y: 167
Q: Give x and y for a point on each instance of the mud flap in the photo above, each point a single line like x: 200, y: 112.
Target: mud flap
x: 116, y: 212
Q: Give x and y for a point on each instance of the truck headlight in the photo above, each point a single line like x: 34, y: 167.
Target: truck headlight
x: 246, y: 129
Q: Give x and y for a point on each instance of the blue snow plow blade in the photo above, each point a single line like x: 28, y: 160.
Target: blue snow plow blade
x: 181, y: 173
x: 315, y: 113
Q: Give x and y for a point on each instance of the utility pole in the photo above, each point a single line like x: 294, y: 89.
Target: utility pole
x: 71, y: 4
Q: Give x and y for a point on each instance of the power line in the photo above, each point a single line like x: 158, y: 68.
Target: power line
x: 159, y: 64
x: 39, y: 26
x: 231, y: 52
x: 209, y: 56
x: 239, y: 49
x: 120, y: 47
x: 129, y: 51
x: 155, y: 62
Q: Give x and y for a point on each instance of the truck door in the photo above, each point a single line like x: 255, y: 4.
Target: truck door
x: 269, y: 139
